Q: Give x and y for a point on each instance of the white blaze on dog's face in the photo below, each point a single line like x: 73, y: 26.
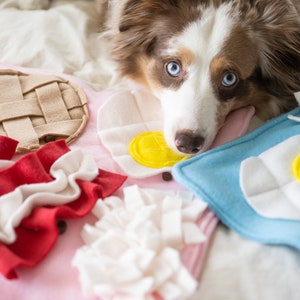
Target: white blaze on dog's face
x: 191, y: 108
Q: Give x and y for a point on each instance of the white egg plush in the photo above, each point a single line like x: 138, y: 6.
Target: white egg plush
x: 271, y: 181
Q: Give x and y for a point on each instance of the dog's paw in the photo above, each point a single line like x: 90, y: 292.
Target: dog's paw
x: 33, y: 4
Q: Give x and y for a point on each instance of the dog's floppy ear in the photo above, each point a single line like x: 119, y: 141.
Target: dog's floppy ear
x: 277, y: 32
x: 141, y: 21
x: 137, y: 12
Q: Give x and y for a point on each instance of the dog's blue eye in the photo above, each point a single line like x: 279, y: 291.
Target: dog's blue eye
x: 173, y: 69
x: 229, y: 79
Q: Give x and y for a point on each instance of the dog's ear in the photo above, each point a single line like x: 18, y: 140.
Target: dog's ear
x: 137, y: 12
x: 141, y: 21
x: 277, y: 30
x: 143, y: 24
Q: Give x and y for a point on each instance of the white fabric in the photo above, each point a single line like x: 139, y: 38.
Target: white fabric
x: 19, y: 203
x: 133, y: 249
x: 268, y: 183
x: 134, y: 112
x: 297, y: 96
x: 63, y: 38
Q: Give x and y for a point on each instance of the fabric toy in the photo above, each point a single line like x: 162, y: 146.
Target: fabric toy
x: 38, y: 108
x: 149, y: 149
x: 137, y: 256
x: 39, y: 189
x: 252, y: 183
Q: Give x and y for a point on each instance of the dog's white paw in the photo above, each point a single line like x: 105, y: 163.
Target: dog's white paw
x: 34, y: 4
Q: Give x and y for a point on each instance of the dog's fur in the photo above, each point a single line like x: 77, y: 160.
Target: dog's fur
x: 255, y: 44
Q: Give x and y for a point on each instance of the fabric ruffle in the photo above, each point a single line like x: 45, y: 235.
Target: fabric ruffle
x: 134, y: 249
x: 29, y: 228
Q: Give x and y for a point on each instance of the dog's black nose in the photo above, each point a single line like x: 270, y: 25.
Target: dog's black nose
x: 187, y: 142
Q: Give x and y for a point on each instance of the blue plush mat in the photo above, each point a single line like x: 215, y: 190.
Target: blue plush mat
x: 215, y: 177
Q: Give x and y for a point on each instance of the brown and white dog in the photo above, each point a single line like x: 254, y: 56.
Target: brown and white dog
x: 205, y: 58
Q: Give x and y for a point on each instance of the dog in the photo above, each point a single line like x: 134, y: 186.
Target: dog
x: 206, y: 58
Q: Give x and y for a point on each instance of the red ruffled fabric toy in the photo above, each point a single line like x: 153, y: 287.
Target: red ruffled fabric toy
x: 37, y: 233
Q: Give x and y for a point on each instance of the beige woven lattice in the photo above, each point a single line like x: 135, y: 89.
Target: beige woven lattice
x: 36, y: 109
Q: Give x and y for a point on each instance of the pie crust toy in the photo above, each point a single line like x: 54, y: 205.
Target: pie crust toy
x: 36, y: 109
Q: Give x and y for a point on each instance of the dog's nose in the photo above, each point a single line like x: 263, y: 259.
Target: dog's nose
x: 187, y: 142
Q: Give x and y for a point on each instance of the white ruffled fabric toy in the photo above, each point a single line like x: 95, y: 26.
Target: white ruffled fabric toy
x: 133, y: 251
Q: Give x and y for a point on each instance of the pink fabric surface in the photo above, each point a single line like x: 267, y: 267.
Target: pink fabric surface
x: 54, y: 278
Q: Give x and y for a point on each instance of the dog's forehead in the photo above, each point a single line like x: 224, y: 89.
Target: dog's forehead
x: 205, y: 37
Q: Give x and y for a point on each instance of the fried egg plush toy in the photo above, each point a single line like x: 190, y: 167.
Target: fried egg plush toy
x: 130, y: 126
x: 253, y: 183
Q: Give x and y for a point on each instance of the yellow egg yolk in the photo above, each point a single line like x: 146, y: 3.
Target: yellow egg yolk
x: 150, y: 150
x: 296, y: 167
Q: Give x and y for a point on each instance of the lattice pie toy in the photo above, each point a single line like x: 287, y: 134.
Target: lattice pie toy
x: 38, y: 108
